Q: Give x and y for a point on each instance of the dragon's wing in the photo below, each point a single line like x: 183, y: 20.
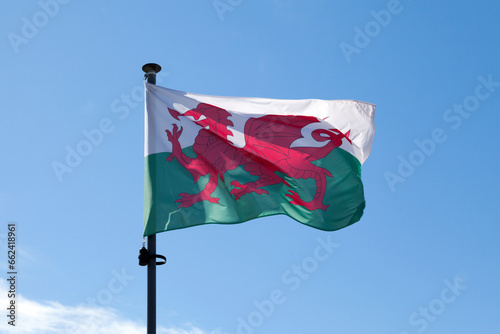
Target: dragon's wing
x: 270, y: 137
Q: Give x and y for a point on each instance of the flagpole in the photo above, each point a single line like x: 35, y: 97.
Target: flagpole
x: 149, y: 256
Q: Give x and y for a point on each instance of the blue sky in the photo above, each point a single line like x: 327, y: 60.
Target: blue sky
x: 424, y: 257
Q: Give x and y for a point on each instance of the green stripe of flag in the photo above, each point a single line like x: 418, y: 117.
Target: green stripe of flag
x: 164, y: 181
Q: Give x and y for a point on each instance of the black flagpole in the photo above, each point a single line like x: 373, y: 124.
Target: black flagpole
x: 148, y: 256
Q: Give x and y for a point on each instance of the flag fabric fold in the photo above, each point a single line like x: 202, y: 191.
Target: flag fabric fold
x: 228, y: 160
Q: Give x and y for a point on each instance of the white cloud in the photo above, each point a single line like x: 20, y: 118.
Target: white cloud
x: 53, y: 317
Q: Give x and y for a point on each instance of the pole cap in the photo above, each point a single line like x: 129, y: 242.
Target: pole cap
x: 151, y: 67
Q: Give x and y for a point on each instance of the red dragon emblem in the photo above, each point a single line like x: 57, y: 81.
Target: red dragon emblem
x: 267, y: 150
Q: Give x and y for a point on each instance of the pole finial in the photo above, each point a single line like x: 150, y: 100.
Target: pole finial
x: 151, y: 68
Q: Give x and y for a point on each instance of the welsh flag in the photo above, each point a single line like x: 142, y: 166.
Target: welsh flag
x: 227, y: 160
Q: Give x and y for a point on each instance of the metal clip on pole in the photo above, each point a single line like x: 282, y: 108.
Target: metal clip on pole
x: 144, y: 257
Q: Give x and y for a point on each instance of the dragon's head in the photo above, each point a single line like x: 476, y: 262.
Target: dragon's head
x: 334, y: 135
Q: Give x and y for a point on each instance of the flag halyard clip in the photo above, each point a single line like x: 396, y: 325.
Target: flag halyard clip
x: 144, y: 257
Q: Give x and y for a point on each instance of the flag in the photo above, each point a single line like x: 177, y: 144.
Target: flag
x: 228, y: 160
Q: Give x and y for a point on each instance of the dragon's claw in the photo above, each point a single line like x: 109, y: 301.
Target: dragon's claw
x: 312, y: 205
x: 173, y: 136
x: 242, y: 189
x: 237, y: 184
